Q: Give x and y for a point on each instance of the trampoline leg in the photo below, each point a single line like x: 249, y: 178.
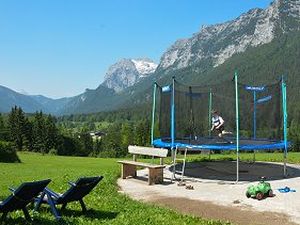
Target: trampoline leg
x: 173, y: 155
x: 183, y: 165
x: 237, y: 171
x: 237, y: 167
x: 284, y: 167
x: 237, y: 125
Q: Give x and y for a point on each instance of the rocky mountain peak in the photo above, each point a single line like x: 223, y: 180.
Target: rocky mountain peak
x: 214, y: 44
x: 127, y: 72
x: 144, y: 66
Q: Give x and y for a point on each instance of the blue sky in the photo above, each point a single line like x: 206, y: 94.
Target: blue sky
x: 60, y: 47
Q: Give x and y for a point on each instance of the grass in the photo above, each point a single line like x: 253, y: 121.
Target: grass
x: 106, y: 204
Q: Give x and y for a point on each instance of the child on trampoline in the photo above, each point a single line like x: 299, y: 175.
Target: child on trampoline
x: 218, y: 124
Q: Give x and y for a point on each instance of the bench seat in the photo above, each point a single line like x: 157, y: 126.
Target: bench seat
x: 142, y: 164
x: 129, y: 167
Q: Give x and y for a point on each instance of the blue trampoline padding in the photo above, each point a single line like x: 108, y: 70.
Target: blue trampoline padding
x: 271, y: 145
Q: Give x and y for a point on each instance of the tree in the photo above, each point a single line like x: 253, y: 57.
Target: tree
x: 127, y: 137
x: 28, y: 141
x: 17, y: 127
x: 51, y: 133
x: 112, y: 141
x: 4, y: 133
x: 39, y: 133
x: 142, y: 133
x: 68, y: 146
x: 87, y: 144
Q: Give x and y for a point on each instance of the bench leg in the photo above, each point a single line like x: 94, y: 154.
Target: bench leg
x: 53, y: 207
x: 155, y: 176
x: 82, y: 205
x: 26, y: 213
x: 3, y: 217
x: 128, y: 170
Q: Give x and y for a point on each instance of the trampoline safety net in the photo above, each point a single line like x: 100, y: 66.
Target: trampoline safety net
x: 259, y: 109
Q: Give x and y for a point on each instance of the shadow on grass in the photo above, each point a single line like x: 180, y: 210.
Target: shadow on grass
x: 22, y: 221
x: 91, y: 213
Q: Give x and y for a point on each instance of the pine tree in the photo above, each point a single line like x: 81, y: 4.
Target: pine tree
x: 87, y: 143
x: 127, y: 137
x: 51, y: 138
x: 3, y: 129
x: 142, y: 133
x: 27, y: 130
x: 17, y: 127
x: 39, y: 133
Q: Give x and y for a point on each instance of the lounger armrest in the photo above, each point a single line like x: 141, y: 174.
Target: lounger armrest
x: 51, y: 193
x: 12, y: 189
x: 72, y: 184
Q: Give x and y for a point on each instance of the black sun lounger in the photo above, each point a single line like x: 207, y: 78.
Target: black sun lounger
x: 76, y: 192
x: 21, y: 197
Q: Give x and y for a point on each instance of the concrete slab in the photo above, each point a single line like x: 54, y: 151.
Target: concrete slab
x: 214, y: 182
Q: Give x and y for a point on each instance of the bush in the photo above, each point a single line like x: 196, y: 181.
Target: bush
x: 107, y: 154
x: 8, y: 153
x: 52, y: 151
x: 69, y: 146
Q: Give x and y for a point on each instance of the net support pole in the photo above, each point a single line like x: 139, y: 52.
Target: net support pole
x: 192, y: 130
x: 254, y: 114
x: 284, y: 108
x: 254, y: 121
x: 237, y: 124
x: 173, y: 113
x: 153, y: 113
x: 209, y: 112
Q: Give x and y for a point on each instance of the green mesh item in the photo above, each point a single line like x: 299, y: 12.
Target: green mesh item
x: 260, y: 110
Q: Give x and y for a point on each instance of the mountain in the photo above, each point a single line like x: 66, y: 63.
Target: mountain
x: 214, y: 44
x: 100, y: 99
x: 262, y: 44
x: 128, y: 72
x: 107, y: 96
x: 207, y: 56
x: 10, y: 98
x: 53, y: 106
x: 113, y: 92
x: 29, y: 103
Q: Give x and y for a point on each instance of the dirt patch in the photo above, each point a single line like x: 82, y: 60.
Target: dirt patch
x: 212, y: 211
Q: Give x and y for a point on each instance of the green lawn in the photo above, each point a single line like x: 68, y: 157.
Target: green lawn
x: 106, y: 204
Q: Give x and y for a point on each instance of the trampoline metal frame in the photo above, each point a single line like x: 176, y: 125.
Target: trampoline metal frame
x: 282, y: 144
x: 237, y: 125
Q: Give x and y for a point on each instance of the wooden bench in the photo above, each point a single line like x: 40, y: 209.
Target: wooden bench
x: 155, y: 171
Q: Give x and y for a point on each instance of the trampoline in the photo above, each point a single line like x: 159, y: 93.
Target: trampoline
x: 255, y: 114
x: 215, y: 143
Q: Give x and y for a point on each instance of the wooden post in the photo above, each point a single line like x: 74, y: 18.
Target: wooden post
x: 161, y: 161
x: 128, y: 170
x: 155, y: 176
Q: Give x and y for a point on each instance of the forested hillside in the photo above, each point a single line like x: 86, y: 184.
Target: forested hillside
x: 71, y: 135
